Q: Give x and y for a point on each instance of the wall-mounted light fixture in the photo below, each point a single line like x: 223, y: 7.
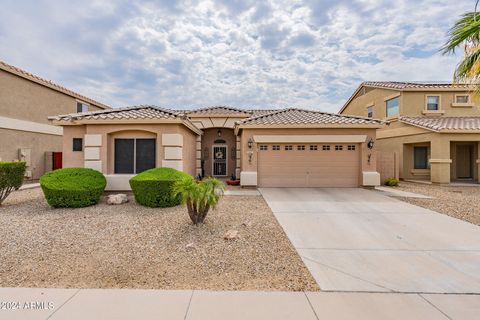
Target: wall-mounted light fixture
x: 370, y: 143
x: 250, y: 143
x: 219, y: 133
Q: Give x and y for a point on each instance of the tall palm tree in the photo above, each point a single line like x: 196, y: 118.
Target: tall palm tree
x: 466, y: 32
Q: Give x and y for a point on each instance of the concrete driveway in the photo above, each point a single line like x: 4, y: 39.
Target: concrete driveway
x: 362, y: 240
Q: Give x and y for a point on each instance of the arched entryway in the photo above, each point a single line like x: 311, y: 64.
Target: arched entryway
x: 218, y: 152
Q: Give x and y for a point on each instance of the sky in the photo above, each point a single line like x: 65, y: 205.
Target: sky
x: 239, y: 53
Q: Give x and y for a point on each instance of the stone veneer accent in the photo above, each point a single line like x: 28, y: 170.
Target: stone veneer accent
x: 91, y: 152
x: 173, y: 151
x: 198, y: 156
x: 238, y: 154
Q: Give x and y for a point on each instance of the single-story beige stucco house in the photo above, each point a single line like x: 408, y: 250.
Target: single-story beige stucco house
x: 266, y: 148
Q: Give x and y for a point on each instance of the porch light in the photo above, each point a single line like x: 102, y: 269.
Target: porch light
x: 370, y: 143
x: 250, y: 143
x: 219, y: 133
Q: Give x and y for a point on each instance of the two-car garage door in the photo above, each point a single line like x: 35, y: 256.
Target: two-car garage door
x: 304, y: 165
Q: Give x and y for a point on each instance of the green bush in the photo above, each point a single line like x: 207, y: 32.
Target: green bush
x: 153, y: 188
x: 73, y: 187
x: 11, y: 177
x: 391, y: 182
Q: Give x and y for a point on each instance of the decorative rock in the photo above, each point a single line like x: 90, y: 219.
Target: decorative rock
x: 231, y: 235
x: 117, y: 198
x: 247, y: 223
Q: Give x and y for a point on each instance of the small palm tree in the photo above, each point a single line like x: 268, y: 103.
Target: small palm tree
x: 199, y: 196
x: 466, y: 32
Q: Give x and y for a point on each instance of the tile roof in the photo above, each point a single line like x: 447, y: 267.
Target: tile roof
x: 218, y: 110
x: 29, y: 76
x: 414, y: 85
x: 443, y: 123
x: 299, y: 116
x: 129, y: 113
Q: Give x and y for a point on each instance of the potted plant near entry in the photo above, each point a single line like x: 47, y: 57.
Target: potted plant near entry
x: 233, y: 181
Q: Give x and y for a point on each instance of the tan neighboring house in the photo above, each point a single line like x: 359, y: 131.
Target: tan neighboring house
x: 266, y: 148
x: 25, y: 132
x: 434, y: 128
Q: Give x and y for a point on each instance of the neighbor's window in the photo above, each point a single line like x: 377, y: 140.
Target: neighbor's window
x: 433, y: 103
x: 301, y: 148
x: 338, y: 148
x: 462, y: 98
x: 370, y: 111
x: 77, y: 144
x: 275, y: 147
x: 134, y: 155
x: 393, y: 107
x: 263, y: 147
x: 420, y: 157
x: 288, y: 148
x: 326, y: 148
x: 82, y: 107
x: 351, y: 147
x: 313, y: 148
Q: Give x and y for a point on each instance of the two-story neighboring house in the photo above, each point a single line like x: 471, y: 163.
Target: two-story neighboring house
x: 434, y: 128
x: 26, y: 101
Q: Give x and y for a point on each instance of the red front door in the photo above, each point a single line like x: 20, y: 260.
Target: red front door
x: 57, y: 160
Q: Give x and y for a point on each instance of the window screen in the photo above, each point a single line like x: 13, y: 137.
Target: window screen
x: 420, y: 157
x: 144, y: 154
x: 124, y: 155
x: 77, y: 144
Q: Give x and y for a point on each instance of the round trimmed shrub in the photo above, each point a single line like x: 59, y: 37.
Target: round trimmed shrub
x: 73, y: 187
x: 11, y: 177
x: 391, y: 182
x: 154, y: 188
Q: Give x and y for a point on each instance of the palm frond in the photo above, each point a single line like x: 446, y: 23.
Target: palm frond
x: 465, y: 30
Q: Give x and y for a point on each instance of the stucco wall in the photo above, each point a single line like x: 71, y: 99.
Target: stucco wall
x: 72, y: 159
x: 375, y: 98
x: 109, y: 132
x: 12, y: 140
x: 27, y: 100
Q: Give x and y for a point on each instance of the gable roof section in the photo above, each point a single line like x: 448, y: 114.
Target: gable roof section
x: 143, y: 113
x: 294, y: 117
x: 218, y: 111
x: 408, y: 86
x: 444, y: 124
x: 49, y: 84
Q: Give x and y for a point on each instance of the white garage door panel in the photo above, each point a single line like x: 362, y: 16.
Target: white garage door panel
x: 309, y: 168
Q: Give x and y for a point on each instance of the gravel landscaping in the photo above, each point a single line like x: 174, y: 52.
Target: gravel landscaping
x: 458, y: 202
x: 130, y: 246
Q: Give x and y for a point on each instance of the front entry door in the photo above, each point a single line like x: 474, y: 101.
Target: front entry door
x: 220, y: 160
x: 464, y: 161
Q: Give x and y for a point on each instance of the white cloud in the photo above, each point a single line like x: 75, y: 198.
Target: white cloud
x: 241, y: 53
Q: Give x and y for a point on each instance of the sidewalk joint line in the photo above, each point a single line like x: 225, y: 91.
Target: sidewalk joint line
x: 437, y: 308
x: 311, y: 306
x: 66, y: 301
x: 346, y: 273
x: 188, y: 306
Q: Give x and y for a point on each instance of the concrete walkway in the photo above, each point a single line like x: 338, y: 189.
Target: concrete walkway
x: 119, y: 304
x: 356, y: 240
x: 392, y: 192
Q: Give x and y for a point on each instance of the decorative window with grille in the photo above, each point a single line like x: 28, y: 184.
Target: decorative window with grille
x: 263, y: 147
x: 301, y: 148
x: 338, y: 148
x: 313, y: 148
x: 275, y: 147
x: 351, y: 147
x: 288, y: 148
x: 326, y: 148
